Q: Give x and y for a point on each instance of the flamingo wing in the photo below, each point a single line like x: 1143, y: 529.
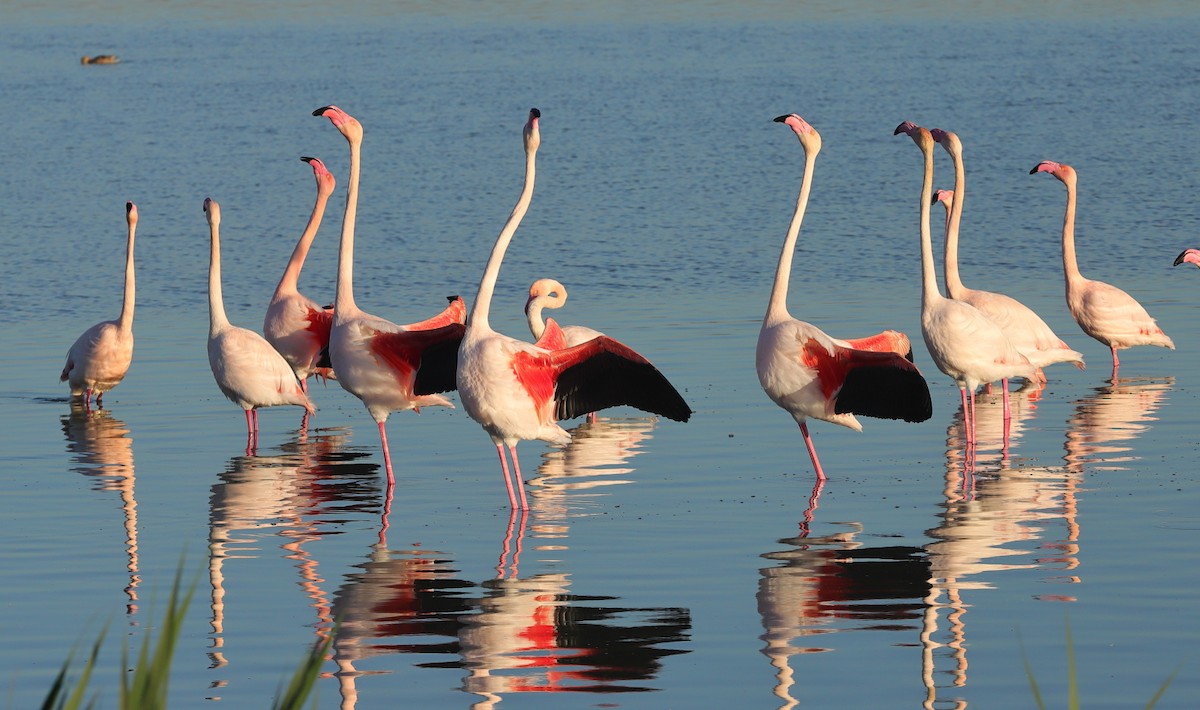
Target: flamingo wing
x: 553, y: 337
x: 884, y: 385
x: 456, y: 312
x: 888, y: 341
x: 426, y: 358
x: 605, y: 373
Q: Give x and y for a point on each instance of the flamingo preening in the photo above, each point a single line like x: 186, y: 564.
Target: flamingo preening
x: 100, y: 356
x: 964, y: 343
x: 1191, y: 256
x: 810, y: 374
x: 517, y: 390
x: 1102, y: 310
x: 296, y: 325
x: 389, y: 367
x: 1024, y: 328
x: 247, y: 369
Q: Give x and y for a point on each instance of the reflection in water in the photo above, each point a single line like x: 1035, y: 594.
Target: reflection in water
x: 1116, y: 413
x: 512, y: 634
x: 289, y: 495
x: 992, y: 432
x: 102, y: 448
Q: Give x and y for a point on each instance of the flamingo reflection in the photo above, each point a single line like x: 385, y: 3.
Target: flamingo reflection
x: 1114, y: 414
x: 994, y: 432
x: 101, y: 448
x: 513, y: 633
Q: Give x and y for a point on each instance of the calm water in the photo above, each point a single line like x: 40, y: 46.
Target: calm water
x: 662, y: 565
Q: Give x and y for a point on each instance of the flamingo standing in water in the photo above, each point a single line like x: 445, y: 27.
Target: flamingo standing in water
x: 1026, y: 330
x: 810, y: 374
x: 100, y: 356
x: 248, y: 370
x: 517, y: 390
x: 1192, y: 256
x: 389, y: 367
x: 296, y: 325
x: 964, y: 343
x: 1102, y: 310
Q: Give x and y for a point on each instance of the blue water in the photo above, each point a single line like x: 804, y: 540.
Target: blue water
x: 662, y: 565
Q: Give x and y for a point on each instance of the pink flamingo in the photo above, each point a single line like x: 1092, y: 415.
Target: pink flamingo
x: 963, y: 342
x: 247, y: 369
x: 810, y: 374
x: 100, y: 356
x: 549, y: 293
x: 389, y: 367
x: 1102, y: 310
x: 1191, y: 256
x: 296, y: 325
x: 1026, y: 330
x: 517, y: 390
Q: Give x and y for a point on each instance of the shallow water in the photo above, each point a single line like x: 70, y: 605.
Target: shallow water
x: 661, y: 565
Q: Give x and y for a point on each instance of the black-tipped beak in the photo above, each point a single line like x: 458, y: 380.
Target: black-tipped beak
x: 321, y: 111
x: 129, y: 208
x: 534, y: 113
x: 1034, y: 169
x: 307, y: 159
x: 781, y: 119
x: 902, y: 128
x: 1179, y: 259
x: 455, y: 297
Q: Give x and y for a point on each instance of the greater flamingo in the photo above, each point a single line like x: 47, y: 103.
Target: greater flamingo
x: 517, y: 390
x: 1026, y: 330
x: 389, y: 367
x: 247, y: 369
x: 964, y: 343
x: 548, y: 334
x: 296, y: 325
x: 1191, y: 256
x: 1102, y: 310
x: 100, y: 356
x: 810, y: 374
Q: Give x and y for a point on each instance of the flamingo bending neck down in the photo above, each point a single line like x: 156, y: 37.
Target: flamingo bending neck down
x: 1191, y: 256
x: 517, y: 390
x: 963, y: 342
x: 101, y: 355
x: 810, y: 374
x: 389, y: 367
x: 549, y: 293
x: 1024, y: 328
x: 1102, y: 310
x: 295, y: 325
x: 247, y: 369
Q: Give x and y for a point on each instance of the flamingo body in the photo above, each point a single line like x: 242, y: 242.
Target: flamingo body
x: 1102, y: 310
x: 295, y: 325
x: 100, y: 357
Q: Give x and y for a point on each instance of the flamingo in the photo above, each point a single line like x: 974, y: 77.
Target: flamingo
x: 100, y: 356
x: 389, y: 367
x: 549, y: 293
x: 295, y: 325
x: 517, y: 390
x: 964, y: 343
x: 810, y: 374
x: 1026, y: 330
x: 1102, y: 310
x: 1189, y: 255
x: 247, y: 369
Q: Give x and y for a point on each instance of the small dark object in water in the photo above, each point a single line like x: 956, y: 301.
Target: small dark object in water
x: 100, y: 59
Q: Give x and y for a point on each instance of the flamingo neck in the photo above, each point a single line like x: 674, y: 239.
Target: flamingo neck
x: 1070, y: 265
x: 216, y: 302
x: 537, y: 326
x: 288, y: 284
x: 777, y: 306
x: 487, y: 284
x: 126, y: 319
x: 344, y: 299
x: 954, y: 284
x: 929, y: 292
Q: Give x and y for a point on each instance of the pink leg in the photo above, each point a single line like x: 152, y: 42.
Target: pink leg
x: 1116, y: 363
x: 304, y: 385
x: 100, y: 400
x: 512, y: 498
x: 968, y: 428
x: 517, y: 474
x: 812, y: 451
x: 591, y: 418
x: 387, y: 455
x: 1007, y: 422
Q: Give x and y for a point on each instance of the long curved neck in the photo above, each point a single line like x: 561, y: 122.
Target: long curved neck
x: 954, y: 285
x: 537, y: 326
x: 929, y: 291
x: 126, y: 319
x: 487, y: 284
x: 291, y: 275
x: 777, y: 306
x: 344, y: 300
x: 1070, y: 266
x: 216, y: 303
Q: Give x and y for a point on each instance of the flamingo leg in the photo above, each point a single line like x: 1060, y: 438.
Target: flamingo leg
x: 1116, y: 363
x: 387, y: 455
x: 814, y: 499
x: 512, y: 498
x: 1007, y: 423
x: 99, y: 400
x: 968, y: 429
x: 517, y: 474
x: 812, y: 451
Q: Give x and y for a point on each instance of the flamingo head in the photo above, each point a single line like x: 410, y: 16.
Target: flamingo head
x: 919, y: 134
x: 325, y: 179
x: 531, y: 133
x: 131, y: 213
x: 946, y: 197
x: 548, y: 293
x: 947, y: 140
x: 1191, y: 256
x: 809, y: 138
x: 212, y: 210
x: 344, y: 122
x: 1062, y: 171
